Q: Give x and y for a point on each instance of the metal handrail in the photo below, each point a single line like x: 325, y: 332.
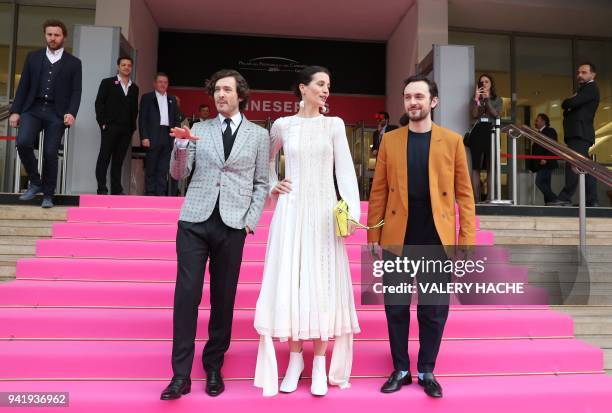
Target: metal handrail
x: 5, y: 111
x: 580, y: 164
x: 577, y: 160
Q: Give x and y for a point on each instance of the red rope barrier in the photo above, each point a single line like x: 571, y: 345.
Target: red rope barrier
x: 7, y: 138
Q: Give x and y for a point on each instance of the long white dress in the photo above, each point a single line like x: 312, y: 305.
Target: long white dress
x: 306, y: 291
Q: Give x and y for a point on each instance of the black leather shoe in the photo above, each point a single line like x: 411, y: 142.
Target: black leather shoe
x: 32, y: 191
x: 395, y: 382
x: 214, y: 383
x: 176, y: 389
x: 431, y: 386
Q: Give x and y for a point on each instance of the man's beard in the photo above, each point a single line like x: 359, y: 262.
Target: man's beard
x: 422, y: 114
x: 56, y: 47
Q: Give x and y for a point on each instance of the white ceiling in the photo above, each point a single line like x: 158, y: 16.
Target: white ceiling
x: 332, y: 19
x: 372, y: 20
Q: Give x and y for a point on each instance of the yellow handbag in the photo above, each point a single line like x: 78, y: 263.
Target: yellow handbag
x: 342, y: 217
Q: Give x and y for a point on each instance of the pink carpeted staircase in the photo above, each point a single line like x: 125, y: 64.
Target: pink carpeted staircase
x: 92, y: 315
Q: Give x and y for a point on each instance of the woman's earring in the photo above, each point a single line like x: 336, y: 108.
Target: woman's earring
x: 301, y: 103
x: 325, y: 108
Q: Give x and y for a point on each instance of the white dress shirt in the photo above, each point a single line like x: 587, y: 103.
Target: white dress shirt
x: 54, y: 56
x: 125, y: 88
x: 162, y: 102
x: 236, y: 119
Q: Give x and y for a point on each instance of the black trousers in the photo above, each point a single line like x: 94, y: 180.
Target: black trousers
x: 571, y: 179
x: 195, y: 244
x: 157, y: 164
x: 432, y: 310
x: 543, y: 178
x: 42, y: 116
x: 114, y: 145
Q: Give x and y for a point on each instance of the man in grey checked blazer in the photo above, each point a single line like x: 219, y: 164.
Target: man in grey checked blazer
x: 224, y: 202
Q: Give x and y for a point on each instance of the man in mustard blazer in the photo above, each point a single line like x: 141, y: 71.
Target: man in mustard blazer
x: 421, y: 172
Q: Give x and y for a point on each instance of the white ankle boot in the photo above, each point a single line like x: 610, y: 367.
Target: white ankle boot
x: 319, y: 377
x: 294, y: 372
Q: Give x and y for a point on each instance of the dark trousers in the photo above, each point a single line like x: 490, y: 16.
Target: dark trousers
x: 432, y: 310
x: 543, y: 177
x: 571, y: 179
x: 116, y: 140
x: 195, y: 244
x: 157, y: 164
x: 42, y: 116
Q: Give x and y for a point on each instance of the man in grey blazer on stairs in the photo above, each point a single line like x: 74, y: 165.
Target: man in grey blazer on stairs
x: 224, y: 202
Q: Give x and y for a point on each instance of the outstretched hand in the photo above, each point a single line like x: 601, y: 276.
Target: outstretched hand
x: 182, y: 133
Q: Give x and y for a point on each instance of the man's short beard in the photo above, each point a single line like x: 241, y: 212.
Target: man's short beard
x: 422, y: 115
x: 59, y: 46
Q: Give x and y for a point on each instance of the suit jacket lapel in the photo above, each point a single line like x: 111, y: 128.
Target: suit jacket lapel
x: 402, y: 166
x: 217, y: 138
x: 435, y: 154
x: 241, y: 138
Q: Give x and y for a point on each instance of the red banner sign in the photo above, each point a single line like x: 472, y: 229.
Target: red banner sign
x: 262, y: 105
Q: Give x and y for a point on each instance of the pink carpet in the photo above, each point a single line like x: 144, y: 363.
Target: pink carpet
x: 92, y: 315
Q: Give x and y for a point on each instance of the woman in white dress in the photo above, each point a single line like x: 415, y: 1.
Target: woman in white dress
x: 306, y: 292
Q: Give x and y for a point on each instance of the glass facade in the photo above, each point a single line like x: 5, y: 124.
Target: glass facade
x: 29, y: 36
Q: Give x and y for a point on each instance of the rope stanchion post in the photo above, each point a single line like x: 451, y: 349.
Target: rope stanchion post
x: 64, y: 161
x: 582, y: 212
x: 491, y: 172
x: 17, y: 171
x: 498, y: 158
x: 41, y: 146
x: 514, y: 173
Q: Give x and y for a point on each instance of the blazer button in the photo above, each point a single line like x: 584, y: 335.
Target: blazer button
x: 392, y: 189
x: 217, y: 183
x: 443, y: 193
x: 393, y: 212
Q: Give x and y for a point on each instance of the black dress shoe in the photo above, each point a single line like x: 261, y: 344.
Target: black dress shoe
x: 214, y: 383
x: 176, y: 389
x: 431, y: 386
x: 395, y: 382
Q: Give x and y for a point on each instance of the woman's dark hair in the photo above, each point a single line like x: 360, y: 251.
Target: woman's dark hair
x: 305, y: 77
x: 492, y: 92
x: 545, y: 118
x: 242, y: 87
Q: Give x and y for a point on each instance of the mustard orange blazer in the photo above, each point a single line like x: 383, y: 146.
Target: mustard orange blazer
x: 449, y: 181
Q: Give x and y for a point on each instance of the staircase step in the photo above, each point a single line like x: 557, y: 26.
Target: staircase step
x: 156, y: 323
x: 570, y: 393
x: 165, y: 270
x: 151, y: 359
x: 27, y: 212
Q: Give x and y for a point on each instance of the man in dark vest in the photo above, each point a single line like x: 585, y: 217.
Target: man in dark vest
x: 48, y: 99
x: 578, y: 116
x: 116, y: 112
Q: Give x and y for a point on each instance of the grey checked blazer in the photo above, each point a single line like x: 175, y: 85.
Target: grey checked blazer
x: 240, y: 183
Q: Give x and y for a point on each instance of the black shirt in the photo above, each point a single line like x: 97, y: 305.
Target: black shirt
x: 418, y: 163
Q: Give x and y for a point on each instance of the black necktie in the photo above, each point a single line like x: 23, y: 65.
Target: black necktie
x: 228, y: 138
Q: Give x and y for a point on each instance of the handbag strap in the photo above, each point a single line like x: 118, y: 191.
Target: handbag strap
x: 360, y: 225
